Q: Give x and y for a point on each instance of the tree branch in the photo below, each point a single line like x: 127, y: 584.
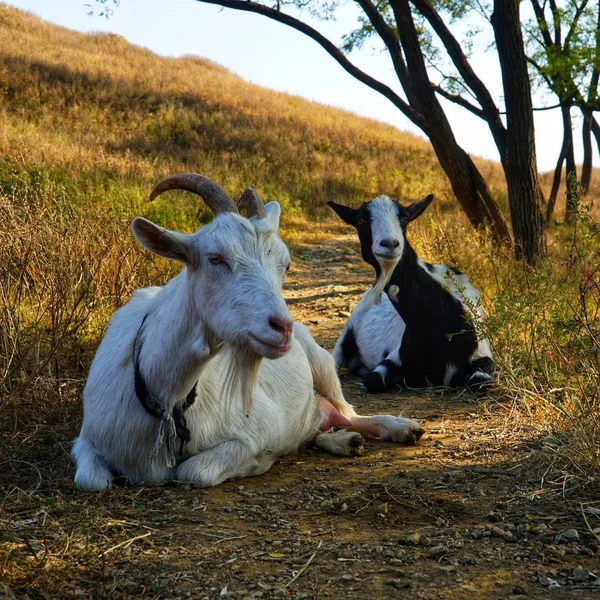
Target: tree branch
x: 387, y: 34
x: 541, y: 73
x: 574, y: 23
x: 541, y: 108
x: 557, y: 24
x: 329, y: 47
x: 542, y: 23
x: 489, y: 112
x: 457, y: 99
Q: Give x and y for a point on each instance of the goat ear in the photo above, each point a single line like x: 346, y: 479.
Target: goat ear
x: 163, y: 242
x: 416, y: 209
x: 345, y: 213
x: 273, y: 211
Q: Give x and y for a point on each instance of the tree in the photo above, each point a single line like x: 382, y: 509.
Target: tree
x: 564, y: 51
x: 518, y: 154
x: 406, y: 29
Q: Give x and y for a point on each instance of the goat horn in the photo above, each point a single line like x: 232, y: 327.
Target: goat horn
x: 214, y: 195
x: 252, y: 202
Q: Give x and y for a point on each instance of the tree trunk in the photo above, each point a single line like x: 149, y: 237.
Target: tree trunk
x: 468, y: 185
x: 596, y: 132
x: 572, y: 192
x: 555, y: 183
x: 586, y: 133
x: 520, y: 166
x: 566, y: 153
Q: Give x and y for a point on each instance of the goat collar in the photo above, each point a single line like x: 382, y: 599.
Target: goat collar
x: 173, y: 425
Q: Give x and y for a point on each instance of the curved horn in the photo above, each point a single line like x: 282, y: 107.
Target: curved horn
x: 251, y: 201
x: 214, y: 195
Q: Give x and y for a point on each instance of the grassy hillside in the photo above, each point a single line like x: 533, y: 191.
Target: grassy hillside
x: 89, y: 123
x: 107, y: 119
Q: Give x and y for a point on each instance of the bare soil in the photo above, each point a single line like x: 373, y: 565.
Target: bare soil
x: 463, y: 514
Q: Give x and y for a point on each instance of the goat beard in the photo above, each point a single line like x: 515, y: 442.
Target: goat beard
x: 375, y: 294
x: 241, y: 378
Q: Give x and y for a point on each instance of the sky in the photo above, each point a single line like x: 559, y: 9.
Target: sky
x: 280, y: 58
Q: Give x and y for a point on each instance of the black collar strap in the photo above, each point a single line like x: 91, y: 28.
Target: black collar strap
x: 174, y: 422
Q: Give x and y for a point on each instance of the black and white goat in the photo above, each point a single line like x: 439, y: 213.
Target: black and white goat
x: 178, y: 388
x: 426, y: 330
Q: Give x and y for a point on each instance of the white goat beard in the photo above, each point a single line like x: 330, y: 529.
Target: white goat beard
x: 375, y: 294
x: 240, y: 380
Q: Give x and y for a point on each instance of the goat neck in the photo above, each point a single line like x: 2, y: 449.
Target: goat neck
x: 174, y: 342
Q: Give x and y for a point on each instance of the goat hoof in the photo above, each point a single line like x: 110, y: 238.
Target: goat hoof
x: 479, y: 381
x: 415, y: 436
x: 356, y: 445
x: 374, y: 383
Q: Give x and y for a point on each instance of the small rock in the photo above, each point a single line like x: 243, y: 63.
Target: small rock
x: 580, y: 574
x: 414, y: 538
x: 343, y: 313
x: 468, y: 588
x: 223, y: 592
x: 436, y: 550
x: 497, y: 532
x: 541, y: 529
x: 494, y: 516
x: 476, y: 534
x: 447, y: 569
x: 398, y: 584
x: 382, y: 509
x: 547, y: 581
x: 570, y: 535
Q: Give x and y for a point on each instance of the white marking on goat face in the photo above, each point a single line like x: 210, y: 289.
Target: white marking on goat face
x: 387, y: 240
x: 237, y: 283
x: 386, y: 230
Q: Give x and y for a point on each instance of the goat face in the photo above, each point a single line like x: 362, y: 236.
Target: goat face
x: 235, y: 268
x: 381, y: 225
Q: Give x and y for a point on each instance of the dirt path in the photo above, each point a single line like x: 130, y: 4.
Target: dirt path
x: 460, y: 515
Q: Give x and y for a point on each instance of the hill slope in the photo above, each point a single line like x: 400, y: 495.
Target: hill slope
x: 113, y: 114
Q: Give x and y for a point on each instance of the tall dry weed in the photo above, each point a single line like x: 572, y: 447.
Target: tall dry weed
x: 63, y: 270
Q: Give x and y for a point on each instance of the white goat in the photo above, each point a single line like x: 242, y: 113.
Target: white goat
x: 196, y: 345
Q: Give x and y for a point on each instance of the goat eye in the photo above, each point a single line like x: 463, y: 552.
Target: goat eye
x: 288, y: 267
x: 361, y: 222
x: 216, y: 259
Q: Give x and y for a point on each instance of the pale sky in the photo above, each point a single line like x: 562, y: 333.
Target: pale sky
x: 277, y: 57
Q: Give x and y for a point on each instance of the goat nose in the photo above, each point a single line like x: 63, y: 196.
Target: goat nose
x: 280, y: 325
x: 390, y: 243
